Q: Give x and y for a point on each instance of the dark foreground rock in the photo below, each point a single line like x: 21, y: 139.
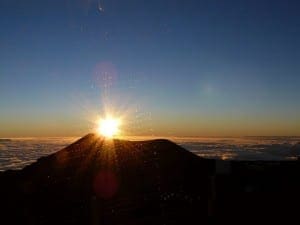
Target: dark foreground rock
x: 98, y: 181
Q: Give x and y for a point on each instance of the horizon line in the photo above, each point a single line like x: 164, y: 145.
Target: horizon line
x: 160, y: 136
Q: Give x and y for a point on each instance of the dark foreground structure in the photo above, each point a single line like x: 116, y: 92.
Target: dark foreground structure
x: 99, y: 181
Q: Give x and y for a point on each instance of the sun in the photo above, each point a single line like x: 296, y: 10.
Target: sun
x: 108, y: 127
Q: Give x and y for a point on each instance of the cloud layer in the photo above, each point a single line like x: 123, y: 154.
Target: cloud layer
x: 17, y: 153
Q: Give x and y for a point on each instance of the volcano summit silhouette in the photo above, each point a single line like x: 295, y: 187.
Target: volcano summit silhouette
x: 102, y: 181
x: 109, y: 181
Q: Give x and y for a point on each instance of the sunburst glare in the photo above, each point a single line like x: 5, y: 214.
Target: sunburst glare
x: 108, y: 127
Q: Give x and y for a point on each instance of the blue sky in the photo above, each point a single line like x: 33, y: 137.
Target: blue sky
x: 182, y: 68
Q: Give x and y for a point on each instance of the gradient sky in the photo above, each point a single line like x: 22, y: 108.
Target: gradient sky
x: 184, y: 68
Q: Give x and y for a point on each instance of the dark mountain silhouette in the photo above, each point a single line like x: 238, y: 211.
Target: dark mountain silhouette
x: 99, y: 181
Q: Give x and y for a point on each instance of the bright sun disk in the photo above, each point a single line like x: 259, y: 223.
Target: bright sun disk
x: 108, y: 127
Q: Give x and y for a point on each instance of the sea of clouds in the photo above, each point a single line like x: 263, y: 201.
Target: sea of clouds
x: 16, y: 153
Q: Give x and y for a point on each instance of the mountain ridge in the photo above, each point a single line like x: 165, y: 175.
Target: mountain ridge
x: 112, y: 181
x: 135, y: 177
